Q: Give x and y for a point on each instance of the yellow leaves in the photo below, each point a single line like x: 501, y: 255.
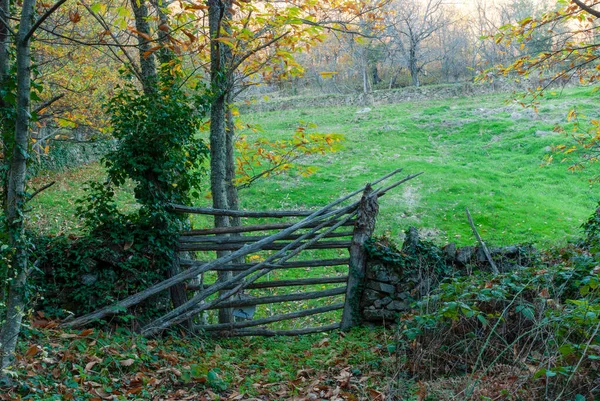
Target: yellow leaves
x: 570, y: 150
x: 265, y: 158
x: 572, y: 115
x: 226, y: 40
x: 98, y: 8
x: 328, y: 74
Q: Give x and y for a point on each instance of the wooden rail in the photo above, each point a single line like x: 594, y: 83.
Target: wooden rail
x: 241, y: 213
x: 271, y: 319
x: 280, y: 283
x: 287, y: 265
x: 274, y: 246
x: 303, y: 296
x: 275, y: 333
x: 254, y: 228
x: 224, y: 239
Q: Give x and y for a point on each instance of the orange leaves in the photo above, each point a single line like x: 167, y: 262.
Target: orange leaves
x: 74, y: 16
x: 141, y: 34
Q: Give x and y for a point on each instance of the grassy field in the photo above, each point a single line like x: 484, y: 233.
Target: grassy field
x: 475, y: 152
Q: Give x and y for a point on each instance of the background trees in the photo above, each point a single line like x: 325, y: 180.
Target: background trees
x: 558, y: 46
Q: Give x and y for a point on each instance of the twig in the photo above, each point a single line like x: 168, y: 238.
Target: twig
x: 48, y: 103
x: 40, y: 190
x: 485, y: 249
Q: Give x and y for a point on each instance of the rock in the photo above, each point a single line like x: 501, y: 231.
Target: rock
x: 370, y: 296
x: 411, y: 241
x: 450, y: 252
x: 380, y: 303
x: 398, y: 306
x: 378, y: 272
x: 381, y: 272
x: 381, y: 287
x: 480, y: 255
x: 379, y: 315
x: 465, y: 254
x: 404, y: 296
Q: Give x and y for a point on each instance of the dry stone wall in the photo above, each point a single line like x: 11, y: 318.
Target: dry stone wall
x: 396, y: 279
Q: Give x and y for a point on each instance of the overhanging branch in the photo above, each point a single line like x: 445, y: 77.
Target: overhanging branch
x: 587, y: 8
x: 43, y: 18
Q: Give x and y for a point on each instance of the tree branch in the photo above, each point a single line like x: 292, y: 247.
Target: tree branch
x: 587, y: 8
x: 43, y: 18
x: 30, y: 197
x: 48, y: 103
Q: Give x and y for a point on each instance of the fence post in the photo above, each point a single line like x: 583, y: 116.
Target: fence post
x: 363, y: 229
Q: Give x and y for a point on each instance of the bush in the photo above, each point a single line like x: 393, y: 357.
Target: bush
x: 542, y: 322
x: 124, y: 253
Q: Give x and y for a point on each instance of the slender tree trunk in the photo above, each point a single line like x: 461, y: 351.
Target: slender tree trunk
x: 217, y: 18
x: 413, y: 64
x: 232, y: 192
x: 6, y: 129
x: 17, y: 180
x: 147, y: 59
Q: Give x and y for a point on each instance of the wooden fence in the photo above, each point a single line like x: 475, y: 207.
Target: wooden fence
x: 333, y: 227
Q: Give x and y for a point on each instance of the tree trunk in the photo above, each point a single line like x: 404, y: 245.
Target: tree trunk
x: 413, y: 66
x: 6, y: 129
x: 178, y: 292
x: 17, y: 180
x: 147, y: 59
x: 217, y: 18
x: 232, y: 192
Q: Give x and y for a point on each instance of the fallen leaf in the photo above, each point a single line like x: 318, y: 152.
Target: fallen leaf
x: 90, y: 365
x: 32, y: 351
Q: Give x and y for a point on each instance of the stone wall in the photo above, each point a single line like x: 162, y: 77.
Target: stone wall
x: 379, y: 97
x: 395, y: 279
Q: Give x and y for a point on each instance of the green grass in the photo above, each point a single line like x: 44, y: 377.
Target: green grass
x: 475, y: 152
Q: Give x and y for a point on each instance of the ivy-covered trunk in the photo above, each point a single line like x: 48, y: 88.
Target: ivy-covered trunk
x: 15, y: 196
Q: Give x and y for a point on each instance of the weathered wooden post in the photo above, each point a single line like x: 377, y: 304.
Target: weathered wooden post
x: 363, y: 229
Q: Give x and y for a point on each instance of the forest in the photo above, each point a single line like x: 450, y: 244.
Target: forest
x: 299, y: 200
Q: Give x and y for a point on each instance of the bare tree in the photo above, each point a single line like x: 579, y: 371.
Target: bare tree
x: 413, y: 24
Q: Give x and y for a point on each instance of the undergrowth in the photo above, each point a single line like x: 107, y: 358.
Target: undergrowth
x: 527, y: 334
